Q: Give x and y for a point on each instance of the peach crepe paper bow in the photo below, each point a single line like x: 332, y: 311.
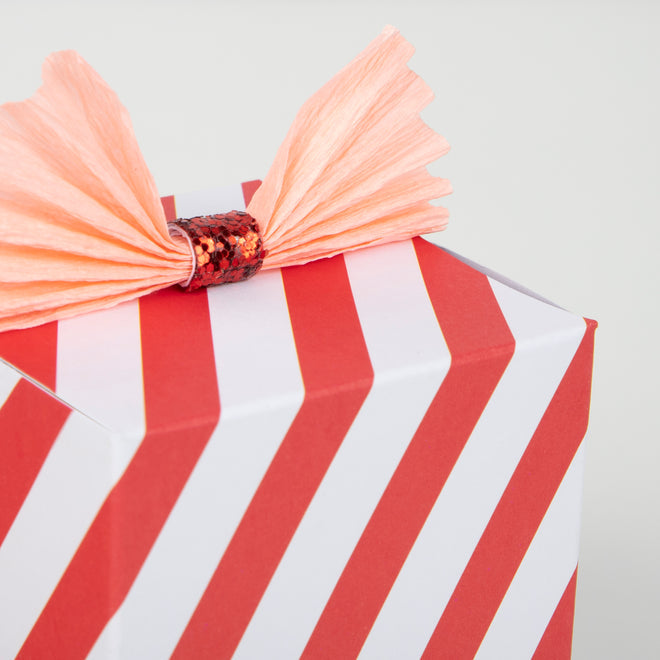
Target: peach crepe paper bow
x: 81, y: 222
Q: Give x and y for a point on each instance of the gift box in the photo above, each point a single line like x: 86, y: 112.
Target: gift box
x: 375, y: 455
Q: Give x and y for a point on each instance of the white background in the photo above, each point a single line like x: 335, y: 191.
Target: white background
x: 552, y: 110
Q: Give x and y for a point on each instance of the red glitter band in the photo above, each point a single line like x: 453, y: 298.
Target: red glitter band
x: 227, y: 248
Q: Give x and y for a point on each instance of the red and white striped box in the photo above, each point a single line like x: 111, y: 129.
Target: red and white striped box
x: 377, y: 455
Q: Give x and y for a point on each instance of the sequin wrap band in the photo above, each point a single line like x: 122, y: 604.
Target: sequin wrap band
x: 227, y: 247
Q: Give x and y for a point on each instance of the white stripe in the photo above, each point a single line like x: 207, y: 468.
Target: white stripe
x: 542, y: 577
x: 410, y: 360
x: 8, y: 379
x: 546, y: 340
x: 99, y: 369
x: 62, y: 503
x: 208, y: 202
x: 261, y: 391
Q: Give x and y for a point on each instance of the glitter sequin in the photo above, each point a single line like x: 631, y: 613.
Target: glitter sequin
x: 227, y: 246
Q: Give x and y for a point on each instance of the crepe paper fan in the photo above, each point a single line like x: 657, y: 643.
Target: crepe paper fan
x: 81, y: 222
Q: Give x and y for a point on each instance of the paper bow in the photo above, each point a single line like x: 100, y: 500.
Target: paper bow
x: 81, y: 222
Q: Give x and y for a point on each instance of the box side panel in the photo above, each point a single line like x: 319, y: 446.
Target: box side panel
x: 542, y: 592
x: 537, y: 520
x: 467, y: 552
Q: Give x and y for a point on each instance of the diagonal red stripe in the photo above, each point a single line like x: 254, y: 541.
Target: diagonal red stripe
x: 182, y: 409
x: 30, y: 422
x: 337, y: 375
x: 518, y: 515
x: 169, y: 207
x: 249, y: 188
x: 30, y: 419
x: 32, y: 351
x: 480, y: 352
x: 557, y: 641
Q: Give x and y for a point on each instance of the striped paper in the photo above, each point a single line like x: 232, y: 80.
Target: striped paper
x: 377, y: 455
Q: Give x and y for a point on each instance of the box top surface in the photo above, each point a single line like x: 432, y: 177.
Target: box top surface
x: 406, y: 310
